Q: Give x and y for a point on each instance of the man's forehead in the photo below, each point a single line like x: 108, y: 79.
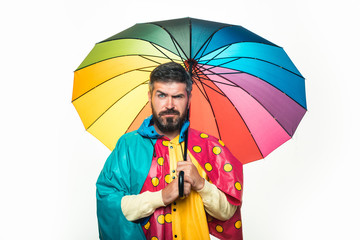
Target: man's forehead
x: 170, y: 87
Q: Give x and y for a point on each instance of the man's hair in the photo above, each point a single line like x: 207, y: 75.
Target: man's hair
x: 170, y: 72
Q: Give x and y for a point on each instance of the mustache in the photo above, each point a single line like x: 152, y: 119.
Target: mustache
x: 169, y: 111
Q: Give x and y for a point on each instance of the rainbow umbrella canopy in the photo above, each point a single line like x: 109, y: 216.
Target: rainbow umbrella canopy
x: 246, y: 90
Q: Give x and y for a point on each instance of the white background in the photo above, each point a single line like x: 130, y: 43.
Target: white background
x: 306, y: 189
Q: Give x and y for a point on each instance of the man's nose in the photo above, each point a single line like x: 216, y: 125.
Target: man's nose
x: 169, y: 103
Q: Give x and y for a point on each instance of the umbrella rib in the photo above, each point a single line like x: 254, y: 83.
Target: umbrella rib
x: 136, y: 116
x: 138, y: 69
x: 225, y: 48
x: 258, y: 102
x: 212, y: 110
x: 176, y: 50
x: 221, y: 93
x: 228, y: 45
x: 205, y: 96
x: 166, y: 55
x: 173, y: 39
x: 207, y: 99
x: 228, y: 84
x: 114, y: 104
x: 203, y: 78
x: 129, y: 55
x: 177, y: 47
x: 149, y: 59
x: 190, y: 39
x: 220, y: 65
x: 160, y: 51
x: 207, y: 42
x: 238, y: 58
x: 209, y: 69
x: 242, y: 120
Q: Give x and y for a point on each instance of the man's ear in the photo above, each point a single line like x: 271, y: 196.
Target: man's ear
x: 189, y: 100
x: 149, y: 96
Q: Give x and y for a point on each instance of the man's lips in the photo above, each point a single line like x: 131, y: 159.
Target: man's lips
x: 169, y: 114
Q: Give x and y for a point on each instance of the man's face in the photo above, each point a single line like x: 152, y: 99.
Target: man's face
x: 169, y: 103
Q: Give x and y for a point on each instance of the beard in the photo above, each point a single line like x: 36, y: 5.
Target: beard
x: 169, y: 124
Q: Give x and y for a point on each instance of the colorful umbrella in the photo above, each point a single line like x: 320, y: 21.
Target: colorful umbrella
x: 246, y: 90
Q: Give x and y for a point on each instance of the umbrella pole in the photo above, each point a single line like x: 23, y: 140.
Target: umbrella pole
x: 181, y: 174
x: 186, y: 137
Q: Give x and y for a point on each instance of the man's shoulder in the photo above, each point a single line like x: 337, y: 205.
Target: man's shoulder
x: 130, y: 137
x: 202, y: 135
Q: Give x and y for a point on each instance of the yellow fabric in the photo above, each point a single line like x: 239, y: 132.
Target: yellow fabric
x: 216, y: 203
x: 189, y: 219
x: 142, y: 205
x: 139, y: 206
x: 188, y: 214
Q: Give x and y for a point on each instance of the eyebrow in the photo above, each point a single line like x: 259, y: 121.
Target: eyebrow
x: 177, y: 95
x: 160, y: 92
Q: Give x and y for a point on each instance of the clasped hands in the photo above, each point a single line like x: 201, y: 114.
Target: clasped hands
x: 192, y: 180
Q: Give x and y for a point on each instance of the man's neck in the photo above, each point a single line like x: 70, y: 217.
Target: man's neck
x: 170, y: 135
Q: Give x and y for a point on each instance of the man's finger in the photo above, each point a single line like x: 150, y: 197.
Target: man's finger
x: 188, y: 179
x: 187, y: 188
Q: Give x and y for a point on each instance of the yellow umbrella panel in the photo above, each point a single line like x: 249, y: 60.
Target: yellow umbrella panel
x: 111, y: 92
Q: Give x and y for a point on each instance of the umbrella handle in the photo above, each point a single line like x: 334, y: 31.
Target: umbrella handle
x: 181, y: 183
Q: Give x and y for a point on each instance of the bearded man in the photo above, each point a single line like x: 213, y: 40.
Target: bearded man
x: 138, y: 190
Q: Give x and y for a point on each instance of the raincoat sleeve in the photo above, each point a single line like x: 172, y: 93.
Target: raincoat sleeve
x: 216, y: 203
x: 142, y: 205
x: 123, y: 174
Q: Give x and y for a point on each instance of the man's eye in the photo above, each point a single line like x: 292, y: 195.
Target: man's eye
x: 161, y: 95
